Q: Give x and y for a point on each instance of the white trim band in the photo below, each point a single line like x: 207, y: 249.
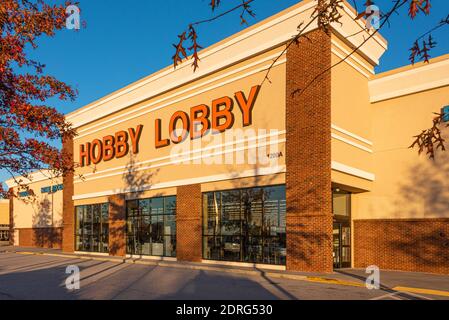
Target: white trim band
x: 37, y: 176
x: 101, y: 254
x: 152, y: 258
x: 185, y: 182
x: 337, y: 166
x: 411, y: 90
x: 244, y: 265
x: 123, y: 117
x: 182, y: 98
x: 352, y: 135
x: 351, y: 143
x: 353, y: 57
x: 182, y: 159
x: 420, y: 78
x: 266, y: 35
x: 350, y: 63
x: 222, y: 177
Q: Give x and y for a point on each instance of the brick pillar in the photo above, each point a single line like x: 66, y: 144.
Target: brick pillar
x: 188, y: 223
x: 68, y: 209
x: 308, y: 149
x: 11, y: 217
x: 117, y: 225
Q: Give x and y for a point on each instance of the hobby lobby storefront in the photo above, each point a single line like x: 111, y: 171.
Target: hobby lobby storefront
x: 219, y: 166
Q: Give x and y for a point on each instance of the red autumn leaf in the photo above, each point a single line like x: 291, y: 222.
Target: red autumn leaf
x: 214, y: 4
x: 414, y: 8
x: 28, y: 126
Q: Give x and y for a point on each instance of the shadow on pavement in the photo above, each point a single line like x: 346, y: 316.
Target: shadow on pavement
x: 207, y: 286
x: 103, y: 281
x: 383, y: 287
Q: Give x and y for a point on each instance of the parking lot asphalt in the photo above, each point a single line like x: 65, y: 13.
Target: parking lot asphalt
x: 29, y: 276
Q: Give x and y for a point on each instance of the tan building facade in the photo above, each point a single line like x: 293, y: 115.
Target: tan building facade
x: 4, y: 221
x: 36, y: 213
x: 220, y: 166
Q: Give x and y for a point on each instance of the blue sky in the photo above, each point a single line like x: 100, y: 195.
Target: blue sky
x: 126, y: 41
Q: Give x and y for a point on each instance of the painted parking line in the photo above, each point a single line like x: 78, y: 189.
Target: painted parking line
x: 70, y: 256
x: 335, y: 281
x: 423, y: 291
x: 388, y: 296
x: 398, y: 295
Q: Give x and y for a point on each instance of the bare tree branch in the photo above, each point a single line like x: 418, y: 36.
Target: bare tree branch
x: 431, y: 140
x: 397, y: 5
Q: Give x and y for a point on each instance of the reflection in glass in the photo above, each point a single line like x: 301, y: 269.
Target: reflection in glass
x: 151, y: 227
x: 92, y: 228
x: 341, y: 203
x: 245, y: 225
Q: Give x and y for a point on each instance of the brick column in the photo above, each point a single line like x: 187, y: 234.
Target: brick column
x: 188, y: 223
x: 117, y: 225
x: 308, y: 149
x: 11, y: 217
x: 68, y: 209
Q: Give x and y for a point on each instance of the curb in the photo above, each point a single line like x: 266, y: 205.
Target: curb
x: 261, y: 273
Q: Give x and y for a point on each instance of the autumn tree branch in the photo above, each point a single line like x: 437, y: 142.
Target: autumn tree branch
x: 191, y: 34
x: 326, y: 13
x: 385, y: 18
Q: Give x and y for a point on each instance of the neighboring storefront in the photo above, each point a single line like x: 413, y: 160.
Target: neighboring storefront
x: 4, y: 222
x: 216, y: 167
x: 36, y: 213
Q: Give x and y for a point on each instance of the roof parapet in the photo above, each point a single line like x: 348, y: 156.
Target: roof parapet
x: 261, y: 37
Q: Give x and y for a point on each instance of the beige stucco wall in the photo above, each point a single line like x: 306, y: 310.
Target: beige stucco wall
x: 351, y: 107
x: 4, y: 211
x: 351, y: 114
x: 43, y: 210
x: 407, y: 185
x: 155, y: 168
x: 267, y: 180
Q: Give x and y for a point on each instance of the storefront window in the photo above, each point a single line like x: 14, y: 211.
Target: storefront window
x: 4, y: 232
x: 341, y: 203
x: 92, y: 228
x: 245, y: 225
x: 151, y: 227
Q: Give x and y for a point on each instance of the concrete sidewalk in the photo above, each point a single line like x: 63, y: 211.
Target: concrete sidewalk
x: 391, y: 281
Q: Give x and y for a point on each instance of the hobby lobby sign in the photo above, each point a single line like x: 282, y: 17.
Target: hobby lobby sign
x: 218, y: 117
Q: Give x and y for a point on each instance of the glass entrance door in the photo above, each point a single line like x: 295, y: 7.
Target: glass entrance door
x: 342, y: 245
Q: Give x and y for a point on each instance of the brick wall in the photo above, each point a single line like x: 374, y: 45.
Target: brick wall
x: 308, y: 156
x: 188, y: 223
x: 68, y: 209
x: 420, y: 245
x: 11, y: 218
x: 117, y: 225
x: 41, y: 238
